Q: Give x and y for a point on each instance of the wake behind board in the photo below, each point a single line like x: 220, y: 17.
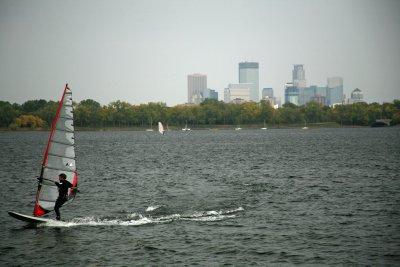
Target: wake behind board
x: 27, y: 218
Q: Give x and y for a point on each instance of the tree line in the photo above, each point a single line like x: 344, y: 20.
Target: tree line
x: 89, y: 113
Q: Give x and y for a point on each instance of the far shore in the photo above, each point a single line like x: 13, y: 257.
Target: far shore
x: 199, y: 128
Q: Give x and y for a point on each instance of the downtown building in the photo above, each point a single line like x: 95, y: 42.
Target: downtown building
x: 267, y: 94
x: 294, y: 91
x: 197, y: 89
x: 197, y: 83
x: 298, y: 93
x: 356, y: 96
x: 334, y: 91
x: 248, y: 74
x: 237, y: 93
x: 291, y: 94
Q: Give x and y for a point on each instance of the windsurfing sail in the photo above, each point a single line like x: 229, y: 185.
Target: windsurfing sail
x: 58, y: 158
x: 161, y: 128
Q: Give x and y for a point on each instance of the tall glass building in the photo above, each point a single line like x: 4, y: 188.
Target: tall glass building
x: 248, y: 73
x: 197, y: 84
x: 335, y: 90
x: 299, y: 76
x: 291, y: 94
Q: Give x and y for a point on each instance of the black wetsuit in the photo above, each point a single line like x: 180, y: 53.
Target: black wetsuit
x: 62, y: 196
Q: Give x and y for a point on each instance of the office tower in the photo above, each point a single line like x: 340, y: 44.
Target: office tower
x: 299, y: 76
x: 335, y: 90
x: 197, y: 83
x: 308, y: 93
x: 210, y: 93
x: 238, y: 93
x: 291, y: 94
x: 319, y: 99
x: 356, y: 96
x: 248, y: 73
x: 267, y: 92
x: 314, y: 93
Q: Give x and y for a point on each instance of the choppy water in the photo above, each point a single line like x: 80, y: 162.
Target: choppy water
x: 209, y: 198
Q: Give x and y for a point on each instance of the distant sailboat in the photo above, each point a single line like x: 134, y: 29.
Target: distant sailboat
x: 305, y: 125
x: 265, y: 127
x: 151, y: 126
x: 58, y: 158
x: 161, y: 128
x: 186, y: 128
x: 238, y: 128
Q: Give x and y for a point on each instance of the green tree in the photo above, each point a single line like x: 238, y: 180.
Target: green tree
x: 250, y: 112
x: 7, y: 113
x: 88, y: 113
x: 48, y: 112
x: 266, y: 113
x: 290, y: 113
x: 313, y: 112
x: 33, y: 105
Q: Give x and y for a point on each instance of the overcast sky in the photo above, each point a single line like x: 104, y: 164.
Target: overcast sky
x: 142, y: 51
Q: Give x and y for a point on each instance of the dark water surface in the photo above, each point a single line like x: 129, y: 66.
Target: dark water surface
x: 322, y: 197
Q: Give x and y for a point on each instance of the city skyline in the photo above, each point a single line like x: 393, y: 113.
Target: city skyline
x: 142, y: 52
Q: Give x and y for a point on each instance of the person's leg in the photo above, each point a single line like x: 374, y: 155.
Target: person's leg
x: 57, y: 209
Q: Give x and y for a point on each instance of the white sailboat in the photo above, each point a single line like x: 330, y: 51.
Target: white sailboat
x: 151, y: 126
x: 265, y: 127
x: 58, y: 158
x: 305, y: 125
x: 161, y: 128
x: 186, y: 128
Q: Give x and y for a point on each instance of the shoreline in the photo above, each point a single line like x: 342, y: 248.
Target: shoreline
x: 202, y: 128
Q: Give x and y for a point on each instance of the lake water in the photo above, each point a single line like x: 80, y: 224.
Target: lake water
x: 278, y: 197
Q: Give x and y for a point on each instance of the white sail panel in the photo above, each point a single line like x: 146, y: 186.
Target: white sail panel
x: 64, y: 124
x: 48, y: 196
x: 52, y: 174
x: 160, y: 128
x: 60, y: 163
x: 63, y: 138
x: 62, y: 150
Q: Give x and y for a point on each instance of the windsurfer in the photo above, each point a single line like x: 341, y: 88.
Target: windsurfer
x: 63, y: 186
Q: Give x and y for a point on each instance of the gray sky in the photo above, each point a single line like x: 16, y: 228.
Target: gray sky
x: 142, y: 51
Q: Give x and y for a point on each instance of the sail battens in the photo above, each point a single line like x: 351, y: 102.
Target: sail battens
x: 59, y: 156
x: 47, y: 200
x: 64, y: 130
x: 62, y: 143
x: 59, y: 169
x: 66, y: 118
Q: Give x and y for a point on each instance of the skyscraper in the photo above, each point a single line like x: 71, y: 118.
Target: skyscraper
x: 291, y: 94
x: 335, y: 90
x: 248, y: 73
x: 299, y: 76
x: 197, y: 83
x: 299, y: 82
